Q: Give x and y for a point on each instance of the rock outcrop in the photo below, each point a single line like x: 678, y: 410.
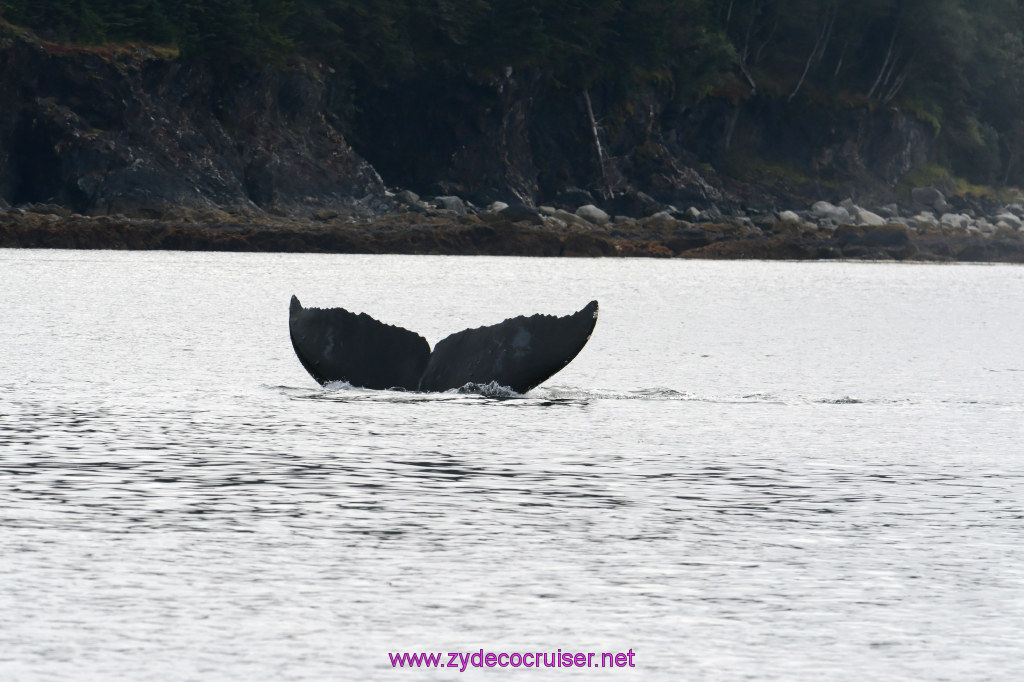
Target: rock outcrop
x: 132, y: 130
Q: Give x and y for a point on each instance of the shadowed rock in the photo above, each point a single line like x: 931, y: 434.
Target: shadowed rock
x: 336, y: 345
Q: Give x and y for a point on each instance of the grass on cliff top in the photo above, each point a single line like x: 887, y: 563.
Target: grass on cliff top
x: 108, y: 50
x: 934, y: 175
x: 774, y: 176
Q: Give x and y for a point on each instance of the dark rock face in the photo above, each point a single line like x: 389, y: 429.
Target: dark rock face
x: 889, y: 236
x: 521, y: 213
x: 571, y: 198
x: 126, y: 130
x: 444, y: 133
x: 687, y: 239
x: 337, y: 345
x: 518, y: 138
x: 181, y: 154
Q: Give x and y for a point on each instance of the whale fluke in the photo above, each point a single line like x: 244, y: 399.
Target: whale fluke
x: 520, y: 352
x: 334, y: 344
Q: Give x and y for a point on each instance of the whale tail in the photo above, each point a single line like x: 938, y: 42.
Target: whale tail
x: 334, y: 344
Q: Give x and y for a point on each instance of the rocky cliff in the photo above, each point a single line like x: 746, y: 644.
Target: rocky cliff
x: 136, y: 131
x: 130, y: 130
x: 517, y: 137
x: 196, y: 154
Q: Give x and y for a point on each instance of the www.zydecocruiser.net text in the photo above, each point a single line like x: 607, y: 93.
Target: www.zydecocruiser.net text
x: 463, y: 660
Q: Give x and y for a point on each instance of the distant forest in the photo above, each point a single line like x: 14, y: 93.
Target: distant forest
x: 956, y: 64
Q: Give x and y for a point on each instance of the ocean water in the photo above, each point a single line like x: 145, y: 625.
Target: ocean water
x: 754, y: 470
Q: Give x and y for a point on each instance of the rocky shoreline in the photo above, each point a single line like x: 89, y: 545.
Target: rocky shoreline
x: 403, y: 223
x: 128, y: 147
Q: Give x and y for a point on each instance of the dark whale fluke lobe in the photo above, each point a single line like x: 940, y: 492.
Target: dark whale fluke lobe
x: 334, y: 344
x: 521, y: 352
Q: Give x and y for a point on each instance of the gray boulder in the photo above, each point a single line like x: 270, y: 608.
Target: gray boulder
x: 664, y: 218
x: 789, y: 217
x: 929, y: 197
x: 821, y: 209
x: 1009, y: 218
x: 710, y: 214
x: 451, y: 203
x: 571, y: 219
x: 593, y: 214
x: 956, y: 221
x: 408, y: 197
x: 825, y: 210
x: 985, y: 227
x: 866, y: 217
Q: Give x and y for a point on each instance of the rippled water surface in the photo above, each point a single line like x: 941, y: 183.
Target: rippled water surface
x: 766, y: 471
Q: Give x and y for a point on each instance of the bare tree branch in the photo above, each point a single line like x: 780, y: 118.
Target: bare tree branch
x: 820, y: 45
x: 886, y: 65
x: 606, y: 189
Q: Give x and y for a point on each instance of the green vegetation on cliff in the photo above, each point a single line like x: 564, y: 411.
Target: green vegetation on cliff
x: 956, y: 64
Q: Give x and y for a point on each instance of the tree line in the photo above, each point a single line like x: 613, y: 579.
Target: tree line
x: 957, y: 64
